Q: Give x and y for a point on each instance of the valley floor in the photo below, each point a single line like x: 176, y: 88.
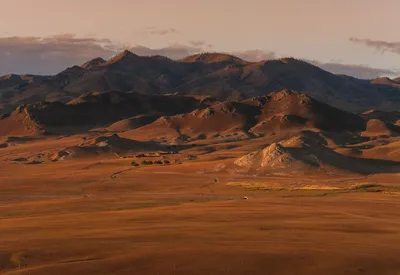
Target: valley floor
x: 106, y: 217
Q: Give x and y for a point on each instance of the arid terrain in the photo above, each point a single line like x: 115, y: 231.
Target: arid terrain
x: 255, y: 177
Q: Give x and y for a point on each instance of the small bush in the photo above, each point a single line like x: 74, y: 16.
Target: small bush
x: 18, y: 259
x: 167, y: 162
x: 134, y: 163
x: 147, y: 162
x: 158, y: 162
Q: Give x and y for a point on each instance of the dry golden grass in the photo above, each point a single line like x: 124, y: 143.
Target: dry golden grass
x: 104, y: 216
x: 275, y: 186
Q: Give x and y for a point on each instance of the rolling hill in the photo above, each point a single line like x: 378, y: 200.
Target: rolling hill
x: 90, y: 111
x: 286, y: 110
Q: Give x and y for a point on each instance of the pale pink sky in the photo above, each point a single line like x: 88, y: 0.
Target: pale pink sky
x: 312, y: 29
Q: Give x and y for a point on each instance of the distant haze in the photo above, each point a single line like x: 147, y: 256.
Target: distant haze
x: 354, y: 37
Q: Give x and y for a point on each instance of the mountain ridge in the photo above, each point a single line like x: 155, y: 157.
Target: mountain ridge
x: 218, y: 75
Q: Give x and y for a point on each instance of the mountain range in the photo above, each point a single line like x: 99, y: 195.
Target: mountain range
x: 220, y: 76
x: 274, y: 116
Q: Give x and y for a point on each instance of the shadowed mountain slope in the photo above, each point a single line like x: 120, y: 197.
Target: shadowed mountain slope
x: 285, y: 110
x: 93, y: 110
x: 222, y: 76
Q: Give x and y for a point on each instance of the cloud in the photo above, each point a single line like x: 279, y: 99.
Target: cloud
x: 179, y: 51
x: 52, y: 54
x: 254, y: 55
x: 47, y: 55
x: 358, y: 71
x: 380, y: 45
x: 159, y: 31
x: 173, y: 51
x: 199, y: 43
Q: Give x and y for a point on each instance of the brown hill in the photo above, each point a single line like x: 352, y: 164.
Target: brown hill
x: 219, y: 75
x: 132, y: 123
x: 387, y: 81
x: 376, y: 127
x: 111, y: 144
x: 285, y: 110
x: 308, y: 153
x: 226, y: 117
x: 93, y: 110
x: 389, y: 117
x: 18, y: 123
x: 284, y: 155
x: 387, y: 150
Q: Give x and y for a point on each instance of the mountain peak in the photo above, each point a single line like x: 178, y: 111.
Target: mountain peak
x: 213, y: 58
x: 9, y: 76
x: 386, y: 81
x: 125, y: 55
x: 93, y: 63
x: 290, y: 94
x: 292, y: 60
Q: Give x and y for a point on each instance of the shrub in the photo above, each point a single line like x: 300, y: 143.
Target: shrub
x: 158, y: 162
x: 134, y: 163
x: 18, y: 259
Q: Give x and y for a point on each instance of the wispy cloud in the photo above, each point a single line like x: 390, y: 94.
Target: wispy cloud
x: 173, y: 51
x: 46, y: 55
x: 355, y: 70
x: 255, y: 55
x: 49, y: 55
x: 159, y: 31
x: 200, y: 43
x: 179, y: 51
x: 380, y: 45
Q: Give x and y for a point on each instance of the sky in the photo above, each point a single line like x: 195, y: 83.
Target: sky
x: 44, y: 36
